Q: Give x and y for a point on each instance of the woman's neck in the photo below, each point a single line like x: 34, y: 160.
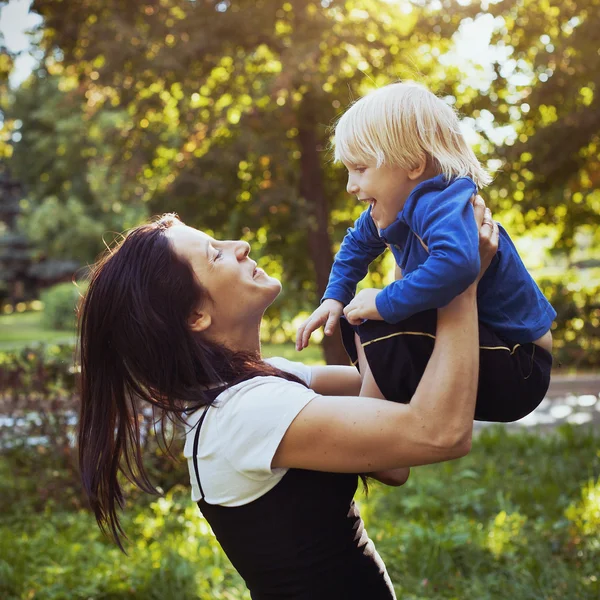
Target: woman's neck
x: 242, y: 338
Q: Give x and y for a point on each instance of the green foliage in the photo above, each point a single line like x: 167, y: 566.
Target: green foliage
x: 517, y: 518
x: 546, y: 88
x: 38, y: 403
x: 60, y: 305
x: 59, y: 555
x: 230, y: 128
x: 313, y: 355
x: 584, y: 514
x: 18, y: 330
x: 70, y: 201
x: 514, y: 519
x: 135, y: 113
x: 577, y: 327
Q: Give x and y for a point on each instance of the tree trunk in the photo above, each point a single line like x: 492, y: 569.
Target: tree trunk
x: 319, y: 244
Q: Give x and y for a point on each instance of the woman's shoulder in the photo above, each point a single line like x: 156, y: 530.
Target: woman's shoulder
x: 240, y: 435
x: 300, y: 370
x: 263, y: 393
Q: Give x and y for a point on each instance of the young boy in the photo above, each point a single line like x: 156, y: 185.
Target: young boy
x: 408, y: 160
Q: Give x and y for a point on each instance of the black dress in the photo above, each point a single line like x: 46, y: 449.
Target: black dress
x: 302, y: 540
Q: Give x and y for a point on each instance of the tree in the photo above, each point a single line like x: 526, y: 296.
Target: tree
x: 547, y: 89
x: 60, y: 160
x: 229, y: 107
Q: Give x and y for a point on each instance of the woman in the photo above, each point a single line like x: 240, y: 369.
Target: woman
x: 172, y: 318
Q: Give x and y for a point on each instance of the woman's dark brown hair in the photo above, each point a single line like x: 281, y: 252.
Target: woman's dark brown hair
x: 136, y: 347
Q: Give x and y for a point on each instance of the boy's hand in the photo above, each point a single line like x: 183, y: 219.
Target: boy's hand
x: 363, y: 307
x: 328, y: 313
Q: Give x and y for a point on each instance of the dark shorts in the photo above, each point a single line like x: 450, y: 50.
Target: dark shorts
x: 513, y: 378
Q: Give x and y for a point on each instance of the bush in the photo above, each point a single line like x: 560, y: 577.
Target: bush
x: 62, y: 555
x: 60, y: 304
x: 577, y: 327
x: 39, y: 405
x: 517, y: 518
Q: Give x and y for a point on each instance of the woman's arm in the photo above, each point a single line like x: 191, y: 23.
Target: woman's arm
x: 354, y: 435
x: 392, y: 477
x: 335, y: 380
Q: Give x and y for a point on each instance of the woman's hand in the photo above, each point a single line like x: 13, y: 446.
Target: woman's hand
x: 488, y: 234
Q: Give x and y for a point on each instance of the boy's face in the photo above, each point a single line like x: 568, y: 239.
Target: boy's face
x: 385, y: 189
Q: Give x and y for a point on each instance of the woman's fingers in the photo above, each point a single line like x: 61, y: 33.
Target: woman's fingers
x: 479, y: 209
x: 488, y: 240
x: 486, y: 229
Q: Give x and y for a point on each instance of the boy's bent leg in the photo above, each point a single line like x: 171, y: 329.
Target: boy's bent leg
x: 396, y: 354
x: 369, y: 387
x: 513, y: 378
x: 392, y: 477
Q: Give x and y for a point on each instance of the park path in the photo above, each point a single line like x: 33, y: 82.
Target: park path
x: 570, y: 399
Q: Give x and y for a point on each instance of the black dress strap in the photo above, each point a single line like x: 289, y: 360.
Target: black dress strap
x: 195, y: 450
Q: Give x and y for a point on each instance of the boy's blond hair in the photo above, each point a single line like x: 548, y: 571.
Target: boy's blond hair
x: 402, y: 124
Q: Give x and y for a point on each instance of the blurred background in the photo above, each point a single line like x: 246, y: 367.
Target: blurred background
x: 221, y: 111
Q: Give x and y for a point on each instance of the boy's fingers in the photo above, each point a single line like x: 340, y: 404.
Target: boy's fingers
x: 331, y: 323
x: 301, y: 341
x: 299, y: 337
x: 310, y: 327
x: 349, y: 317
x: 305, y: 336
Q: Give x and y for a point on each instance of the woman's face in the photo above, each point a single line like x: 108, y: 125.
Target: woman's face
x: 239, y: 291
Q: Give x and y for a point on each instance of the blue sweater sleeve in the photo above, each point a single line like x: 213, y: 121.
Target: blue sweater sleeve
x: 444, y: 220
x: 359, y: 248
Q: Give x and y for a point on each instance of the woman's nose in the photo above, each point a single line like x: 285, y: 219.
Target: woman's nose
x: 242, y: 249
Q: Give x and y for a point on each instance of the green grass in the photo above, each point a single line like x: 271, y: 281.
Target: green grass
x: 518, y: 518
x: 313, y: 355
x: 22, y: 329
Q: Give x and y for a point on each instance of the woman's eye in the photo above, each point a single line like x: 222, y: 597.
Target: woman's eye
x: 219, y: 255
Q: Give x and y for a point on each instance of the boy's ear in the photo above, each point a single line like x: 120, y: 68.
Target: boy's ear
x: 199, y: 321
x: 417, y: 171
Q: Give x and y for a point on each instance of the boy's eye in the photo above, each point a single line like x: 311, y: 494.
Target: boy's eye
x: 360, y: 169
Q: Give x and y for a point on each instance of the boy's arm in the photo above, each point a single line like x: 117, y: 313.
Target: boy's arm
x: 446, y: 224
x: 360, y: 247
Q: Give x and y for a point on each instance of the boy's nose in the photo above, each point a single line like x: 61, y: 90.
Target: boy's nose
x: 352, y: 187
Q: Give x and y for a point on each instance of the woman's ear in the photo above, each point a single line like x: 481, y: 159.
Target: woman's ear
x: 199, y: 321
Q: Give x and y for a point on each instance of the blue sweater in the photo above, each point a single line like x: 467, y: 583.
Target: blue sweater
x: 438, y: 215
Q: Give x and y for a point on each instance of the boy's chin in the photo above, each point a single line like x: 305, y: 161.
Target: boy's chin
x: 381, y: 224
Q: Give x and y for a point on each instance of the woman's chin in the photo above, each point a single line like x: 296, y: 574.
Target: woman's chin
x: 271, y: 289
x: 276, y: 287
